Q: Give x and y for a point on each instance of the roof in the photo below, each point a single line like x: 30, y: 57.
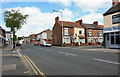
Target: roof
x: 113, y: 9
x: 91, y: 26
x: 70, y: 24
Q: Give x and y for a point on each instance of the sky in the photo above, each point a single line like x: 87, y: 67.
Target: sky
x: 41, y: 15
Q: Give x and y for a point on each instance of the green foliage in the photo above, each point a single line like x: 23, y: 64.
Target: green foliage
x: 19, y: 38
x: 14, y: 20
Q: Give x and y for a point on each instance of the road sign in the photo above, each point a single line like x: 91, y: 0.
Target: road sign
x: 8, y: 39
x: 71, y: 37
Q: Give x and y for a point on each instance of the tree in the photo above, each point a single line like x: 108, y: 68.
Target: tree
x: 19, y: 38
x: 14, y: 20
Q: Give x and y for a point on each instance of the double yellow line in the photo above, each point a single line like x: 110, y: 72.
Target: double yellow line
x: 33, y: 66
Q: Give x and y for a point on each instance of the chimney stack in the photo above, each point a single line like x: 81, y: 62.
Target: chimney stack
x: 114, y: 2
x: 95, y: 22
x: 56, y: 19
x: 79, y: 21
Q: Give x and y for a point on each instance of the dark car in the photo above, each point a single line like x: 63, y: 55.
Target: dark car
x: 18, y: 44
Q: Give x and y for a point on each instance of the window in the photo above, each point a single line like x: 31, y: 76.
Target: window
x: 76, y: 35
x: 80, y: 32
x: 117, y: 38
x: 66, y: 31
x: 112, y: 38
x: 90, y: 32
x: 67, y: 40
x: 116, y: 19
x: 100, y: 32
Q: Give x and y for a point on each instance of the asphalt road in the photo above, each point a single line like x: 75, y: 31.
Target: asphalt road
x: 71, y: 61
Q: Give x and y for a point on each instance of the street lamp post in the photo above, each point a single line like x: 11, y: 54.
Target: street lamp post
x: 62, y: 23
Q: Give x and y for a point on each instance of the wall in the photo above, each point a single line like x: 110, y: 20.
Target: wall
x: 108, y: 20
x: 76, y: 31
x: 56, y: 34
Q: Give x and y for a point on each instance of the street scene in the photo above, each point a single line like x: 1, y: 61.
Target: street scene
x: 60, y: 38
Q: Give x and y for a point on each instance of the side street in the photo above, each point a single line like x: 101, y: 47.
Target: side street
x: 66, y: 49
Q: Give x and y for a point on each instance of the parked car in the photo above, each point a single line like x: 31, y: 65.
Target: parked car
x: 46, y: 44
x: 36, y: 43
x: 18, y: 44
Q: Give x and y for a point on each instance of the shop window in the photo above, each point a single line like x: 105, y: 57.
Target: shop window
x: 112, y: 38
x: 107, y: 37
x: 117, y: 38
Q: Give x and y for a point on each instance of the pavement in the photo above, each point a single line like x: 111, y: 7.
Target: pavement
x: 12, y: 63
x: 93, y: 48
x: 72, y: 60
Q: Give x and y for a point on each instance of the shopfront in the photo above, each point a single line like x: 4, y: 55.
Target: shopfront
x: 112, y: 37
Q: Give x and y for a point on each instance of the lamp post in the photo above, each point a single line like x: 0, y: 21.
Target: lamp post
x: 62, y: 23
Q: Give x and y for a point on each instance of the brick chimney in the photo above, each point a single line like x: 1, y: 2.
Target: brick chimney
x: 79, y: 21
x: 114, y: 2
x: 56, y: 19
x: 95, y: 22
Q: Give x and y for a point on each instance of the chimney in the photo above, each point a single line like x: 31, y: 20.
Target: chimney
x: 95, y: 22
x: 79, y: 21
x: 114, y: 2
x: 56, y: 19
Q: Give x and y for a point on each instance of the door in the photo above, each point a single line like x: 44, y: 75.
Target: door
x: 107, y: 39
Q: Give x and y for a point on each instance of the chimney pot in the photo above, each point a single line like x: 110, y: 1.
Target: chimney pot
x: 56, y: 19
x: 114, y: 2
x: 79, y: 21
x: 95, y: 22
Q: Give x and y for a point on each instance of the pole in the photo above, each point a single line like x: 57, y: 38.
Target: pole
x: 62, y: 28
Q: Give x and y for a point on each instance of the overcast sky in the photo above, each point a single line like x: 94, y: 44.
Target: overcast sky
x: 42, y: 17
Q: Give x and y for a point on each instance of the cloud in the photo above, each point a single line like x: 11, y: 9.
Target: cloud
x: 64, y: 3
x: 38, y: 21
x: 92, y: 5
x: 90, y: 18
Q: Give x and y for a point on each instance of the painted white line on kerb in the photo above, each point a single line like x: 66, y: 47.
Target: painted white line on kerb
x: 19, y: 53
x: 106, y: 61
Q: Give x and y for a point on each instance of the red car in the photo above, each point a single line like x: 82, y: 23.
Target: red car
x: 36, y: 43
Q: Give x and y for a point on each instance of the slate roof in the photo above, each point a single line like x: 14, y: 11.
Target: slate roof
x: 70, y: 24
x: 91, y: 26
x: 114, y: 9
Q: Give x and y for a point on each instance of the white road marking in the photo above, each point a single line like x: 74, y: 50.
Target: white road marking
x: 50, y: 50
x: 67, y: 54
x: 19, y: 53
x: 60, y: 52
x: 106, y: 61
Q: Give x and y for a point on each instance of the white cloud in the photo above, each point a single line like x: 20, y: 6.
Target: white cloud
x: 92, y: 5
x: 62, y: 2
x: 90, y: 18
x: 38, y: 21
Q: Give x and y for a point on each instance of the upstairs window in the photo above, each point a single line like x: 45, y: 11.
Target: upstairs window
x: 90, y: 32
x: 66, y: 31
x: 116, y: 19
x: 80, y: 32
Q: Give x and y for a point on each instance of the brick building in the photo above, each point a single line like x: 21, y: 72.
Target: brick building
x: 2, y: 36
x: 32, y: 39
x: 70, y: 30
x: 112, y: 26
x: 45, y: 35
x: 93, y: 33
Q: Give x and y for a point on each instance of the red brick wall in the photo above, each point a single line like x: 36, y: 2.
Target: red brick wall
x: 56, y: 34
x: 94, y: 33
